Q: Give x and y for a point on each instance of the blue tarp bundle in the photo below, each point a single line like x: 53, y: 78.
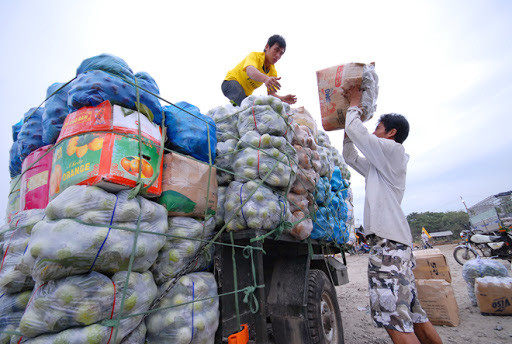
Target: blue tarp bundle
x: 188, y: 130
x: 16, y: 130
x: 323, y: 224
x: 108, y: 77
x: 336, y: 179
x: 14, y: 158
x: 30, y: 136
x: 55, y: 112
x: 323, y: 191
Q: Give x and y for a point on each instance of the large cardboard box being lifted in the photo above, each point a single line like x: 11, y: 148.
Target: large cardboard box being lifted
x: 437, y: 299
x: 494, y: 295
x: 431, y: 264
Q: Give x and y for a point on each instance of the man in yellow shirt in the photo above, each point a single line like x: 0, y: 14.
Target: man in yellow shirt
x: 255, y: 70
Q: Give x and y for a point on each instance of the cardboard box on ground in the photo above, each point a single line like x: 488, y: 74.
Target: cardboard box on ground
x: 435, y: 292
x: 494, y: 295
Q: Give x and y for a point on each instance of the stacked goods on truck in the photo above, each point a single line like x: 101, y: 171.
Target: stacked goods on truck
x: 113, y: 238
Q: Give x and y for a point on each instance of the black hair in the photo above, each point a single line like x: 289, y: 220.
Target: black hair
x: 398, y: 122
x: 276, y: 39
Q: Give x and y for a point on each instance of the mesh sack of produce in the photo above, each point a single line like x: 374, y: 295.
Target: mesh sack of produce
x: 302, y: 117
x: 190, y: 132
x: 339, y: 210
x: 30, y: 136
x: 88, y: 229
x: 225, y: 153
x: 185, y: 237
x: 250, y: 164
x: 108, y: 63
x: 323, y: 191
x: 12, y: 307
x: 302, y: 225
x: 254, y: 206
x: 15, y: 241
x: 94, y: 87
x: 324, y: 151
x: 305, y: 181
x: 475, y: 268
x: 226, y: 121
x: 299, y: 202
x: 324, y: 222
x: 188, y: 314
x: 266, y: 115
x: 55, y: 111
x: 219, y: 214
x: 137, y: 336
x: 83, y: 300
x: 370, y: 90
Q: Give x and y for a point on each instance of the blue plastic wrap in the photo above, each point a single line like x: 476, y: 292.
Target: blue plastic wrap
x: 336, y: 179
x: 55, y: 112
x: 323, y: 191
x: 14, y: 160
x: 108, y: 63
x: 30, y: 136
x: 94, y: 87
x: 187, y: 131
x: 339, y: 211
x: 16, y: 130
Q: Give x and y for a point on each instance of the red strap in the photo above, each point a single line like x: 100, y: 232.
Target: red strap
x: 254, y: 116
x: 112, y: 313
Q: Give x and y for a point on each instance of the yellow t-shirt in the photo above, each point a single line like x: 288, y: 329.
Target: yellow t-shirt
x: 256, y: 59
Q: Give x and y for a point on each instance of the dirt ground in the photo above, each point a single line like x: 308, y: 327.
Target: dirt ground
x: 474, y: 327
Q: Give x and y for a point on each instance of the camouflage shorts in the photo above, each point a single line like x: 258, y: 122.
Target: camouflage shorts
x: 393, y: 298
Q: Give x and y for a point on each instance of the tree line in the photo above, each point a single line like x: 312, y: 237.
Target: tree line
x: 453, y: 221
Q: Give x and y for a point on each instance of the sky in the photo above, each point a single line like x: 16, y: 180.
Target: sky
x: 442, y: 64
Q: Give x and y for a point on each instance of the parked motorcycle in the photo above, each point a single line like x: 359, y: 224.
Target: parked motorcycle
x: 494, y: 245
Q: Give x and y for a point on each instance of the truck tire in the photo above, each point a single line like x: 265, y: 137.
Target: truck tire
x: 324, y: 318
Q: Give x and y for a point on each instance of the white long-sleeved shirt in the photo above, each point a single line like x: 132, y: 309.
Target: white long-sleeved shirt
x: 384, y: 167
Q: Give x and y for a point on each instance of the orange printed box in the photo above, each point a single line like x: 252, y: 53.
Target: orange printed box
x: 108, y: 160
x: 108, y: 117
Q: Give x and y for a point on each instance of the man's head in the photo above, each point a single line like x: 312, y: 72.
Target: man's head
x: 392, y: 126
x: 274, y: 49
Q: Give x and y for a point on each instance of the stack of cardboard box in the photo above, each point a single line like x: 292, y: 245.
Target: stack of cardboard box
x: 435, y: 292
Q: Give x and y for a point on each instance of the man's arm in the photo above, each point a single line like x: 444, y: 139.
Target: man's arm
x: 352, y: 157
x: 271, y: 82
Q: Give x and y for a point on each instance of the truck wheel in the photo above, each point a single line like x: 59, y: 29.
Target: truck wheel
x: 324, y: 318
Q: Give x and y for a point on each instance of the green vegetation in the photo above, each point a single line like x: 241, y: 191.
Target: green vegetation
x: 437, y: 222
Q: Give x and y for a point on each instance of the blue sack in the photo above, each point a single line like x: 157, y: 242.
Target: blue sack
x: 30, y: 136
x: 323, y: 224
x: 336, y: 179
x: 108, y: 63
x: 94, y: 87
x: 55, y: 112
x: 16, y: 130
x: 188, y: 130
x: 14, y: 160
x: 323, y: 191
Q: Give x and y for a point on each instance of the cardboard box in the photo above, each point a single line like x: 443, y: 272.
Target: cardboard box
x: 108, y: 160
x: 331, y: 84
x: 35, y: 181
x: 108, y: 117
x: 189, y: 187
x: 494, y: 295
x: 438, y: 300
x: 431, y: 264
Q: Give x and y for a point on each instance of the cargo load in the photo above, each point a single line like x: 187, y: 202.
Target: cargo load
x: 431, y: 264
x: 438, y: 300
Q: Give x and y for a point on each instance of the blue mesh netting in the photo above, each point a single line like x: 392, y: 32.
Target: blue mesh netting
x: 94, y: 87
x: 108, y: 63
x: 187, y: 131
x: 30, y: 136
x: 55, y: 112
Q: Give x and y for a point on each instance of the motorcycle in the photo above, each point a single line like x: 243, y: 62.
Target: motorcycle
x: 494, y: 245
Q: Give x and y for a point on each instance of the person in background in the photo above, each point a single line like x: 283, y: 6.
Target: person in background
x: 424, y: 240
x: 254, y: 70
x: 392, y: 288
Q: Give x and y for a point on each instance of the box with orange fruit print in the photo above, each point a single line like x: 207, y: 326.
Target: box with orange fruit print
x: 108, y: 160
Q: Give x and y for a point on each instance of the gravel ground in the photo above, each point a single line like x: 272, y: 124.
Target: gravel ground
x: 474, y: 327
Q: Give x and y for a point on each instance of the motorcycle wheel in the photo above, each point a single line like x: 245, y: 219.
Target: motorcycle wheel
x: 462, y: 254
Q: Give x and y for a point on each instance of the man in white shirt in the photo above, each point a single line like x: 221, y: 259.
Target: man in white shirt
x: 393, y: 297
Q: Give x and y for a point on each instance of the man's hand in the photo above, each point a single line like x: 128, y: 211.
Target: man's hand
x: 289, y: 98
x: 272, y: 84
x: 353, y: 95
